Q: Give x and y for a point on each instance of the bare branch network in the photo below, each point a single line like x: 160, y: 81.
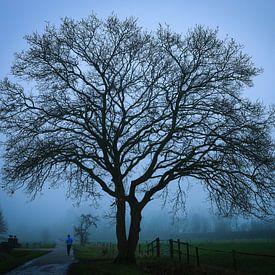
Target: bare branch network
x: 106, y: 104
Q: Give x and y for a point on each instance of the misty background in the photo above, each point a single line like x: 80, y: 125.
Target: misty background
x: 51, y: 214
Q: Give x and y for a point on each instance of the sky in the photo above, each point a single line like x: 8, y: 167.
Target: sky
x: 250, y: 22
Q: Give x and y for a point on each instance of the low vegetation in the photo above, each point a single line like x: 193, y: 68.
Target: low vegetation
x: 217, y: 259
x: 245, y: 263
x: 41, y: 245
x: 11, y: 259
x: 99, y: 260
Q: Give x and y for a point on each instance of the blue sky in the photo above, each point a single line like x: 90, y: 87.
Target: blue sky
x: 250, y: 22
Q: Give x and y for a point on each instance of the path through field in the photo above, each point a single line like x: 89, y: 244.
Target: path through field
x: 55, y: 263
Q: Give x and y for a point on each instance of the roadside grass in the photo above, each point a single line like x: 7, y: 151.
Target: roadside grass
x: 95, y: 260
x: 14, y: 258
x: 39, y: 245
x: 99, y: 259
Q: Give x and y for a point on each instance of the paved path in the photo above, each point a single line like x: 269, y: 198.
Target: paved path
x: 55, y: 263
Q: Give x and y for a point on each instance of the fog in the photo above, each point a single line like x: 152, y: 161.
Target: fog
x: 51, y: 215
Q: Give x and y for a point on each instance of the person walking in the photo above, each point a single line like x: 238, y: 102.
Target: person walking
x: 69, y: 242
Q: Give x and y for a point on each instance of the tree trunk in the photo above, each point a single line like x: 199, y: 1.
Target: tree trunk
x: 121, y: 231
x: 134, y: 230
x: 127, y: 248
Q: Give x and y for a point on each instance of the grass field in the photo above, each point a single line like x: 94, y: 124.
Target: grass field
x: 95, y: 260
x: 219, y: 254
x: 12, y: 259
x: 99, y: 260
x: 245, y: 263
x: 215, y: 258
x: 38, y: 245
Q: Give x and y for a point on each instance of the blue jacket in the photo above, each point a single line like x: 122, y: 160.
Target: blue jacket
x: 69, y: 241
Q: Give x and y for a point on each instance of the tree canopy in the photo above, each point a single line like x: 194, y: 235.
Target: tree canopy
x: 104, y: 104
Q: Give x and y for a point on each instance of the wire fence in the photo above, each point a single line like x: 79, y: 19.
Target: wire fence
x: 192, y: 254
x: 198, y: 255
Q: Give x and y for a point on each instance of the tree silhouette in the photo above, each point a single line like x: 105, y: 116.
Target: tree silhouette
x: 104, y: 104
x: 82, y: 229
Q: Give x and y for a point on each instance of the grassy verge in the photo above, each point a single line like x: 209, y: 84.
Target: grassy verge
x: 12, y: 259
x: 38, y: 245
x: 95, y: 260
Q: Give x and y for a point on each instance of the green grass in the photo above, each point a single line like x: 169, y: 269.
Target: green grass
x: 98, y: 260
x: 245, y: 263
x: 219, y: 254
x: 12, y: 259
x: 93, y: 260
x: 38, y: 245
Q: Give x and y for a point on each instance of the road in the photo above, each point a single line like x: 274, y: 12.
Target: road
x: 55, y: 263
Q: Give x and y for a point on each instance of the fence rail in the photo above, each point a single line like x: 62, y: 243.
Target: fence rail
x: 180, y: 250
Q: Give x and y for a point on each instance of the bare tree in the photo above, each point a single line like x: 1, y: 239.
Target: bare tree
x: 82, y: 230
x: 102, y: 103
x: 3, y: 224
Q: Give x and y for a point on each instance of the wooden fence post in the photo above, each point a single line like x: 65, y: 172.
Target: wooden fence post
x: 234, y: 259
x: 197, y: 256
x: 171, y: 248
x: 187, y: 253
x: 158, y: 247
x: 178, y: 241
